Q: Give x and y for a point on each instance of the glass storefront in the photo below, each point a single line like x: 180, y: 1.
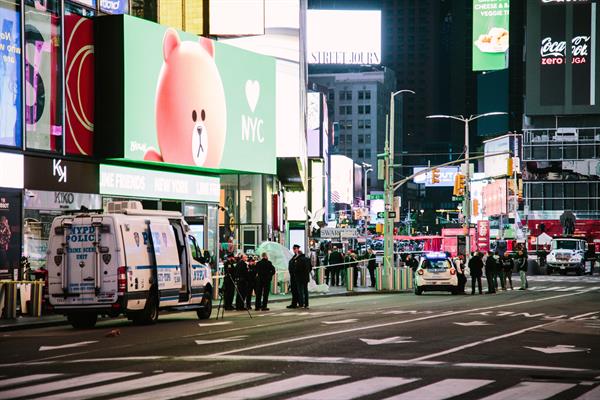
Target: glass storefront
x: 10, y: 231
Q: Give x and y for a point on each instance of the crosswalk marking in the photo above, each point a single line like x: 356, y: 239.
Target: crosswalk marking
x: 194, y: 388
x: 553, y: 288
x: 563, y: 288
x: 593, y: 394
x: 531, y: 391
x: 279, y: 387
x: 129, y: 385
x: 356, y: 389
x: 567, y: 289
x: 64, y: 383
x: 443, y: 389
x: 25, y: 379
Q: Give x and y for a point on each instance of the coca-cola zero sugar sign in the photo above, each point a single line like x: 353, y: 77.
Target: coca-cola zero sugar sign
x: 553, y: 52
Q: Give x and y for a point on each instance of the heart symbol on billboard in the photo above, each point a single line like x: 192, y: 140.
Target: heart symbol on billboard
x: 252, y: 93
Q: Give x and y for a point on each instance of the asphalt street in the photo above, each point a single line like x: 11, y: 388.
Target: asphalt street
x: 535, y: 344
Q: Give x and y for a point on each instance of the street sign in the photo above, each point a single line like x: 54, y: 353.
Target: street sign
x: 375, y: 196
x: 391, y: 214
x: 457, y: 198
x: 338, y: 233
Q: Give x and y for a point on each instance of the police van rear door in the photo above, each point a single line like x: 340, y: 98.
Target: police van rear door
x: 166, y: 260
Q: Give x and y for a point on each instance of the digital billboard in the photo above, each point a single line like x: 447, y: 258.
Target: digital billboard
x: 561, y: 64
x: 447, y: 175
x: 79, y: 89
x: 494, y: 198
x: 235, y: 17
x: 10, y: 75
x: 495, y: 166
x: 342, y: 179
x: 343, y: 37
x: 490, y: 34
x: 181, y: 99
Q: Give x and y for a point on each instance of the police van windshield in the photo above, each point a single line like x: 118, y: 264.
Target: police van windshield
x: 436, y: 264
x: 565, y: 244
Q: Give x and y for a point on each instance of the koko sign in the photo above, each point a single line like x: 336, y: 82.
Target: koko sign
x: 60, y: 175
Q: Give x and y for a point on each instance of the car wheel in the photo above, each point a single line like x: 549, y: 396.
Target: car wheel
x: 206, y: 310
x: 150, y: 313
x: 418, y: 291
x: 549, y: 271
x: 580, y: 270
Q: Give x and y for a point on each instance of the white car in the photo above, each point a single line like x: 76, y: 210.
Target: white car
x: 435, y: 272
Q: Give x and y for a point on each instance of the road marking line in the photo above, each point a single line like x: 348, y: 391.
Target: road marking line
x: 279, y: 387
x: 386, y: 324
x: 125, y: 386
x: 67, y: 346
x: 195, y: 388
x: 570, y: 288
x: 520, y: 366
x: 64, y: 383
x: 26, y: 379
x: 531, y: 391
x: 443, y: 389
x: 344, y: 321
x: 551, y: 288
x: 215, y: 323
x: 593, y: 394
x: 223, y: 340
x: 585, y: 315
x: 356, y: 389
x: 473, y: 344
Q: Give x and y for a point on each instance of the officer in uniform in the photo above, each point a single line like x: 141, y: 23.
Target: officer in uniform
x: 241, y: 279
x: 264, y: 271
x: 228, y: 282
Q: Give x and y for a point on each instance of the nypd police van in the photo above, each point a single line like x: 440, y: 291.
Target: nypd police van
x: 127, y: 261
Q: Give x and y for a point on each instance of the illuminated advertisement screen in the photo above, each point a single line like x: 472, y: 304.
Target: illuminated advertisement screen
x: 343, y: 37
x: 490, y: 34
x: 342, y: 182
x: 562, y: 67
x: 446, y: 175
x: 10, y: 75
x: 233, y: 18
x: 183, y: 100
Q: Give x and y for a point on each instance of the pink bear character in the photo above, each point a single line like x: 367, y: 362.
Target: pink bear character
x: 191, y: 115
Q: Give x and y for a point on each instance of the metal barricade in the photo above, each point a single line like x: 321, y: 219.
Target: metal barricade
x: 28, y: 294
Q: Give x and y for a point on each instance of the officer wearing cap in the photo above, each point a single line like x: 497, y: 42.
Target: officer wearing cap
x: 228, y: 283
x: 292, y: 269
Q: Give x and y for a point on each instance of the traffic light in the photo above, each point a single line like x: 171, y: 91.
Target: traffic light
x: 459, y: 185
x: 509, y: 166
x: 475, y: 207
x: 435, y: 176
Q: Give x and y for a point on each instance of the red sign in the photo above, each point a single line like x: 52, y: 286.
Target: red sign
x: 79, y: 63
x: 483, y: 235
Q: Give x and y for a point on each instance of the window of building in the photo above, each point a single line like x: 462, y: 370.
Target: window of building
x: 367, y: 95
x: 361, y: 124
x: 368, y: 138
x: 361, y: 109
x: 331, y: 95
x: 367, y: 109
x: 345, y: 95
x: 367, y: 153
x: 361, y: 139
x: 349, y: 124
x: 361, y: 153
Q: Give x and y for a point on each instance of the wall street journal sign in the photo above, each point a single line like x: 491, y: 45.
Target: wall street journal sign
x: 344, y: 57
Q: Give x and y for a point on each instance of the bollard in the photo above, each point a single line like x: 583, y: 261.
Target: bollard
x: 378, y: 278
x: 9, y: 299
x: 363, y: 276
x: 216, y: 285
x: 321, y: 275
x: 349, y: 279
x: 274, y: 284
x: 37, y: 294
x: 397, y: 277
x: 410, y: 274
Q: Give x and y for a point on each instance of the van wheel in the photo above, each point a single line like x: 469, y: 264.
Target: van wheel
x: 150, y: 313
x: 418, y: 291
x: 82, y: 321
x: 206, y: 310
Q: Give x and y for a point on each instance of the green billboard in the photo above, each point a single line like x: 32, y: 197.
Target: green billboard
x: 490, y: 34
x: 183, y: 100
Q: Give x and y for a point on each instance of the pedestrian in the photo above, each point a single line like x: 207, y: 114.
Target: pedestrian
x: 353, y: 266
x: 460, y: 273
x: 303, y: 269
x: 371, y: 265
x: 251, y: 281
x: 5, y: 236
x: 507, y: 267
x: 490, y: 272
x: 229, y: 282
x: 328, y: 273
x: 241, y: 280
x: 476, y: 268
x: 521, y: 264
x: 336, y: 260
x: 499, y: 273
x: 264, y: 274
x: 292, y: 269
x: 411, y: 262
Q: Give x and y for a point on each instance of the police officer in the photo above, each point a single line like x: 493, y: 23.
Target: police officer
x: 490, y: 272
x: 264, y: 274
x: 241, y: 277
x: 251, y: 281
x: 302, y: 268
x: 292, y: 269
x: 228, y: 282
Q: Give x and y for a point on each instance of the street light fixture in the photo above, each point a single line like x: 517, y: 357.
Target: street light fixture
x: 366, y: 168
x: 467, y: 171
x: 388, y: 225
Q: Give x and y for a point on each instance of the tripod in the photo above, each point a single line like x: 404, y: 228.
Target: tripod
x: 221, y: 294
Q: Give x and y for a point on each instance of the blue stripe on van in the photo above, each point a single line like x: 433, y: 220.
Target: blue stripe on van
x: 169, y: 298
x: 159, y: 266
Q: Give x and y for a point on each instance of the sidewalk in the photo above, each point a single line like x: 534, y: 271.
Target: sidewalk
x: 26, y: 322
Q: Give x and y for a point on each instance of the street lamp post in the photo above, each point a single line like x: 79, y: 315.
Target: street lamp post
x: 367, y: 168
x: 388, y: 224
x: 467, y: 171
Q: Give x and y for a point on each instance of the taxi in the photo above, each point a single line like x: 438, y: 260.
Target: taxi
x: 435, y: 272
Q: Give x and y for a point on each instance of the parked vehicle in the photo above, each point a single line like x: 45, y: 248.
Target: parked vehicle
x: 127, y: 261
x: 435, y: 272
